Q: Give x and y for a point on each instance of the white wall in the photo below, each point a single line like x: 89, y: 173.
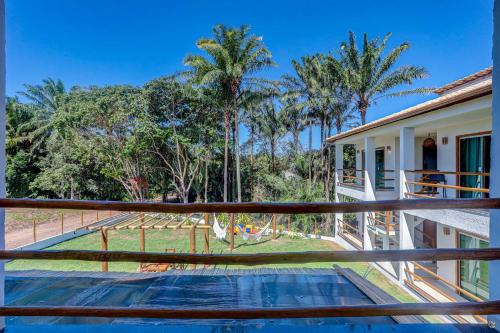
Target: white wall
x: 447, y: 269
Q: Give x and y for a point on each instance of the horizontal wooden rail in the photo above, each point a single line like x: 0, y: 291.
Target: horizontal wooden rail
x: 453, y: 187
x: 400, y: 309
x: 459, y: 173
x: 450, y: 284
x: 255, y: 207
x: 259, y: 258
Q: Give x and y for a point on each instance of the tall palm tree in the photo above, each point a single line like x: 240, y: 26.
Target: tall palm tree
x: 372, y: 75
x: 295, y: 118
x: 45, y: 98
x: 233, y: 56
x: 271, y: 129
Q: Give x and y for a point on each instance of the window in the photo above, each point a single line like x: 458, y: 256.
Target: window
x: 474, y: 155
x: 473, y: 273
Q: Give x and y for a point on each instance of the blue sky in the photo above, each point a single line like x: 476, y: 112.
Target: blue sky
x: 130, y: 41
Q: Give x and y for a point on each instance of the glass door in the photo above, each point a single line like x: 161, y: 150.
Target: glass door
x: 474, y: 157
x: 474, y: 273
x: 380, y: 168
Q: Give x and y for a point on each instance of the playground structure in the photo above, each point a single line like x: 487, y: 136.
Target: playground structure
x: 192, y: 222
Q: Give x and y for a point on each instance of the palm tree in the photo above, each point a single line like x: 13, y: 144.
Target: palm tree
x: 295, y: 118
x: 45, y: 98
x: 372, y: 76
x: 271, y: 129
x: 233, y: 56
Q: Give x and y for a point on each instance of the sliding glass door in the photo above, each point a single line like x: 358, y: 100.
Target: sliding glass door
x: 474, y: 157
x: 473, y: 273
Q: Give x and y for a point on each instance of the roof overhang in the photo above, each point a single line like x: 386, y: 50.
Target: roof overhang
x: 462, y: 96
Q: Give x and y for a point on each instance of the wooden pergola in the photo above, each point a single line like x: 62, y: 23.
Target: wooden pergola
x: 154, y: 221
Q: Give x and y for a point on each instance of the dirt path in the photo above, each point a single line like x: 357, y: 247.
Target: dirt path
x: 49, y: 223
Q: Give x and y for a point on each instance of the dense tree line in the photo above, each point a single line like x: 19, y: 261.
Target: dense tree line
x: 177, y: 137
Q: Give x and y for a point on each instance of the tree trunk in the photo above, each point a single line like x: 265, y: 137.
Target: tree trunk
x: 206, y: 180
x: 310, y: 150
x: 237, y: 151
x: 296, y: 140
x: 252, y: 162
x: 362, y: 114
x: 226, y: 151
x: 273, y: 155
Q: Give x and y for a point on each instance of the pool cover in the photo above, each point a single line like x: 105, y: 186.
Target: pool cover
x: 200, y: 289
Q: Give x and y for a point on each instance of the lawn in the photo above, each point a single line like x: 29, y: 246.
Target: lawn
x: 159, y: 240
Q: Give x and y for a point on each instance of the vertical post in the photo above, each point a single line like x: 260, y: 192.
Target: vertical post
x: 369, y: 175
x: 142, y: 239
x: 2, y: 151
x: 207, y: 233
x: 34, y: 230
x: 62, y: 222
x: 406, y: 162
x: 339, y: 165
x: 274, y: 227
x: 494, y: 266
x: 81, y: 219
x: 231, y: 232
x: 96, y: 215
x: 289, y: 223
x: 104, y: 247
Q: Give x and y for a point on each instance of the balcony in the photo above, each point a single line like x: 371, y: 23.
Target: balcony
x: 432, y: 184
x: 352, y: 178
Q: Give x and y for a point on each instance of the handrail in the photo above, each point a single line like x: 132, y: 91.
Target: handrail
x: 459, y: 173
x: 454, y: 286
x: 256, y: 207
x: 258, y: 258
x: 371, y: 310
x: 460, y: 188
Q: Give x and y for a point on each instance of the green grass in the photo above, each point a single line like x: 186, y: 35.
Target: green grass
x: 159, y: 240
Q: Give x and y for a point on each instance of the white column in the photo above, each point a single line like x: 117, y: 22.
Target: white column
x: 369, y: 187
x: 494, y: 266
x: 2, y: 151
x: 339, y: 164
x: 406, y: 162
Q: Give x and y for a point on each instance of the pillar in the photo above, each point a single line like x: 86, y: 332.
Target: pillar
x: 339, y: 165
x: 2, y: 151
x: 494, y: 266
x: 369, y: 175
x: 406, y: 162
x: 142, y: 240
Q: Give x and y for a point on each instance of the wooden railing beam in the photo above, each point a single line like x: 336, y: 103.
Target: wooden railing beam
x: 254, y: 207
x: 259, y: 258
x: 400, y: 309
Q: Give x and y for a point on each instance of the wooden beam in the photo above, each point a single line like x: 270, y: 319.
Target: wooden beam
x: 401, y: 309
x: 104, y: 247
x: 231, y: 232
x: 142, y: 240
x: 34, y: 230
x: 62, y: 223
x: 453, y: 187
x: 377, y: 295
x: 253, y: 207
x: 259, y: 258
x: 207, y: 233
x: 274, y: 226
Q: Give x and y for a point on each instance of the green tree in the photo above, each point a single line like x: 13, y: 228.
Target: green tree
x: 372, y: 75
x: 233, y: 56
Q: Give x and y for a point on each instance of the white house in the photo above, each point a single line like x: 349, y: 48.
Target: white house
x: 437, y: 149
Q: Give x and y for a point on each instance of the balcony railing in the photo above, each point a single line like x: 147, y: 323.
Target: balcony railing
x: 462, y: 308
x: 352, y: 177
x: 431, y: 184
x: 348, y: 229
x: 385, y: 180
x: 387, y: 220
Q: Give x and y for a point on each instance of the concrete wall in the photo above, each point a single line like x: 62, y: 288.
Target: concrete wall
x: 447, y: 269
